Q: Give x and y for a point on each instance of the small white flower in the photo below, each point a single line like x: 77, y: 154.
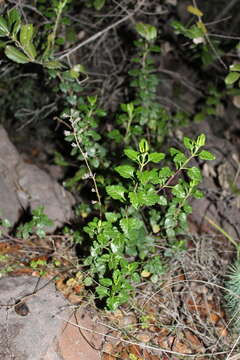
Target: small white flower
x: 198, y: 40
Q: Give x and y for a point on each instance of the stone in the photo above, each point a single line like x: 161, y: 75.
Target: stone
x: 25, y: 186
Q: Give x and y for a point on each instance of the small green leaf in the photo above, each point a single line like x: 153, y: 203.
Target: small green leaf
x: 235, y: 67
x: 5, y: 223
x: 30, y: 50
x: 102, y: 291
x: 188, y: 143
x: 143, y: 146
x: 41, y: 233
x: 162, y: 200
x: 3, y: 26
x: 169, y: 222
x: 131, y: 154
x: 113, y: 302
x: 135, y: 199
x: 199, y: 116
x: 14, y: 21
x: 52, y: 65
x: 187, y: 208
x: 165, y: 172
x: 13, y: 16
x: 148, y: 176
x: 201, y: 139
x: 179, y: 158
x: 195, y: 174
x: 178, y: 191
x: 105, y: 282
x: 147, y: 31
x: 88, y: 281
x: 198, y: 194
x: 111, y: 217
x: 156, y: 157
x: 126, y: 171
x: 26, y: 34
x: 206, y: 155
x: 99, y: 4
x: 150, y: 197
x: 194, y: 10
x: 15, y: 55
x: 130, y: 224
x: 116, y: 192
x: 232, y: 77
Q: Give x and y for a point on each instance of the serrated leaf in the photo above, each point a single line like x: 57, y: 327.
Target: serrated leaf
x: 135, y: 199
x: 195, y: 174
x: 206, y: 155
x: 231, y: 78
x: 116, y: 192
x: 111, y: 217
x: 156, y: 157
x: 169, y: 222
x: 178, y: 191
x: 149, y: 198
x: 188, y: 143
x: 194, y: 10
x: 162, y: 200
x: 165, y: 172
x: 15, y: 55
x: 126, y: 171
x: 179, y: 159
x: 3, y: 25
x: 88, y: 281
x: 148, y: 176
x: 187, y: 208
x: 130, y: 224
x: 131, y: 154
x: 102, y: 291
x: 198, y: 194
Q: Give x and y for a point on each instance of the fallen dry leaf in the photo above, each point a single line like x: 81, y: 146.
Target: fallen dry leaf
x: 181, y: 347
x: 221, y: 331
x: 213, y: 318
x: 108, y: 357
x: 74, y: 298
x: 108, y: 348
x: 194, y: 342
x: 143, y: 337
x: 135, y: 350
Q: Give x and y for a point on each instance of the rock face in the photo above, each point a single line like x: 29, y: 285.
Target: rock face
x: 24, y: 186
x: 50, y: 329
x: 28, y: 337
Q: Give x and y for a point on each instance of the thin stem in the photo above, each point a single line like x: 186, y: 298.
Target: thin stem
x: 59, y: 13
x: 88, y: 166
x: 224, y: 233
